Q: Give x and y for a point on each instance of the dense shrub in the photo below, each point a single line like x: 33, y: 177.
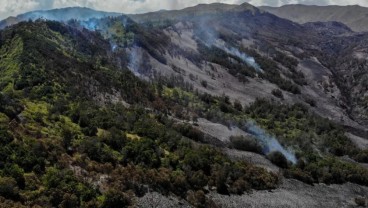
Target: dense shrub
x: 191, y: 132
x: 142, y: 152
x: 116, y: 199
x: 273, y: 73
x: 278, y: 159
x: 197, y: 199
x: 287, y: 61
x: 204, y: 83
x: 9, y: 188
x: 234, y: 64
x: 311, y: 102
x: 362, y: 156
x: 238, y: 106
x: 246, y: 144
x: 116, y: 139
x: 5, y: 137
x: 284, y: 121
x: 278, y: 93
x: 59, y: 157
x: 96, y: 150
x: 300, y: 175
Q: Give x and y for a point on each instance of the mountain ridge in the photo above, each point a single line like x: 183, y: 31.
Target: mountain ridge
x: 354, y: 16
x: 200, y: 9
x: 84, y: 13
x: 60, y: 14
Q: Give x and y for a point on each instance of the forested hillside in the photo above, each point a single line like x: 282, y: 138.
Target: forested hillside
x: 97, y: 113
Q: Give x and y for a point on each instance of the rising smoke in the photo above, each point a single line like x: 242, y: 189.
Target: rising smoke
x: 270, y: 143
x: 210, y: 38
x: 135, y: 60
x: 114, y: 46
x: 90, y: 24
x: 250, y: 61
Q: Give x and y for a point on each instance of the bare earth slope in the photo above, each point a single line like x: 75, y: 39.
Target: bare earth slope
x: 292, y: 193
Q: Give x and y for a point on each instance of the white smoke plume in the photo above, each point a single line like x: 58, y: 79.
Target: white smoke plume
x: 135, y: 61
x: 269, y: 142
x: 250, y: 61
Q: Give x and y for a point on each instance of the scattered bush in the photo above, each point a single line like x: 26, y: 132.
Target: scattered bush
x: 204, y: 83
x: 238, y: 106
x: 311, y: 102
x: 197, y: 199
x: 360, y: 201
x: 278, y: 93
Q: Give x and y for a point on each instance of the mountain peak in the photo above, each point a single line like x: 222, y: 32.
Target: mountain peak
x: 214, y: 7
x: 198, y: 10
x: 221, y: 7
x: 9, y: 21
x: 245, y: 7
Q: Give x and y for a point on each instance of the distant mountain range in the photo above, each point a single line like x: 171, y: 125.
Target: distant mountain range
x: 81, y: 13
x: 356, y: 17
x: 64, y: 14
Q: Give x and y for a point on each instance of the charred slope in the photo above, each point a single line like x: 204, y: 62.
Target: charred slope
x: 281, y: 47
x: 351, y: 66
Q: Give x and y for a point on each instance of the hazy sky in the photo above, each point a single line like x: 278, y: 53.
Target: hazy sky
x: 14, y: 7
